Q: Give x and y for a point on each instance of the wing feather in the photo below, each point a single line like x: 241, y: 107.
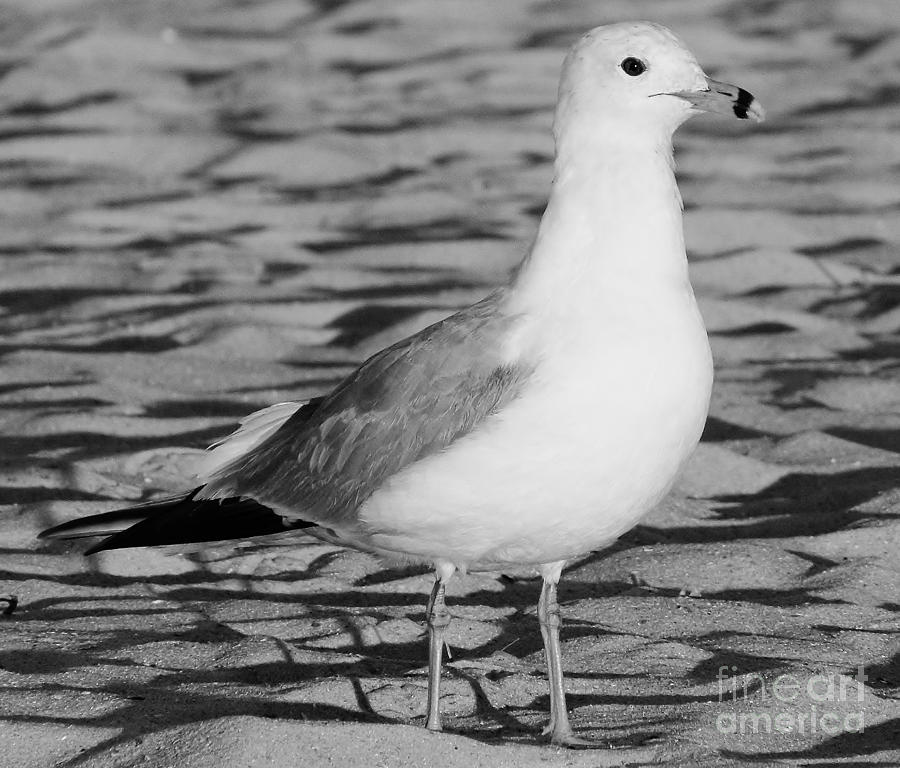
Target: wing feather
x: 403, y: 404
x: 252, y: 431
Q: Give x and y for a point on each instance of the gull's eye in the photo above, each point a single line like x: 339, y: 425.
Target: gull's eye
x: 634, y: 67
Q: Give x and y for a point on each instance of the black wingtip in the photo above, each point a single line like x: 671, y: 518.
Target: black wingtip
x: 104, y: 524
x: 200, y: 521
x: 112, y: 522
x: 742, y: 104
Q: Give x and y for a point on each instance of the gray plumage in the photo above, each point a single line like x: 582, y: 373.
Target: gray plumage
x: 403, y: 404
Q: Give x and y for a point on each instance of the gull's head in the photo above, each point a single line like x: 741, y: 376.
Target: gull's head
x: 638, y: 80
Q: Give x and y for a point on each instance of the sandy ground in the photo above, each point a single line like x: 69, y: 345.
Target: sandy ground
x: 212, y: 205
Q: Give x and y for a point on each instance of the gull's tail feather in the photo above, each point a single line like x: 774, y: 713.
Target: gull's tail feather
x: 179, y: 520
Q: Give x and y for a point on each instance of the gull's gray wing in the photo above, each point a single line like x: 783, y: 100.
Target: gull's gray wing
x: 403, y: 404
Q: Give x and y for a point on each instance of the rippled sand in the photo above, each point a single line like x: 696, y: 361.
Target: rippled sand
x: 209, y: 206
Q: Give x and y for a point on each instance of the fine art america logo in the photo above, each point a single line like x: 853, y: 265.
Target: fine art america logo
x: 824, y: 704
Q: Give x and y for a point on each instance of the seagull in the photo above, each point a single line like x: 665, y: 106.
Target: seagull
x: 530, y: 428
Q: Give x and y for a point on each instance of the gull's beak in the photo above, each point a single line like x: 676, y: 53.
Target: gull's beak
x: 726, y: 99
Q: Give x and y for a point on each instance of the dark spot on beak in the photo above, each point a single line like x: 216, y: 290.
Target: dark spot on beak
x: 744, y: 100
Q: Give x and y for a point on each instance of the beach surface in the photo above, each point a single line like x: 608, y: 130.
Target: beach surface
x: 209, y: 206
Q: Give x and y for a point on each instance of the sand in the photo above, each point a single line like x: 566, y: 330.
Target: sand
x: 210, y: 206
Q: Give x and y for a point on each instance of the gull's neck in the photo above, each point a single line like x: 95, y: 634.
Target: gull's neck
x: 612, y: 227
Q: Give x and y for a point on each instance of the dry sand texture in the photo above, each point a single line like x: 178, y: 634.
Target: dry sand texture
x: 211, y: 205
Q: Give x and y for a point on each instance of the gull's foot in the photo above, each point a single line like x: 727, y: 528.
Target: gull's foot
x: 618, y: 754
x: 565, y: 737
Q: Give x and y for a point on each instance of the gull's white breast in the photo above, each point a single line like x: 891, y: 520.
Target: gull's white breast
x: 598, y: 436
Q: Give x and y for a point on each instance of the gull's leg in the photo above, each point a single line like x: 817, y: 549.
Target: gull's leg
x: 437, y: 617
x: 559, y: 729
